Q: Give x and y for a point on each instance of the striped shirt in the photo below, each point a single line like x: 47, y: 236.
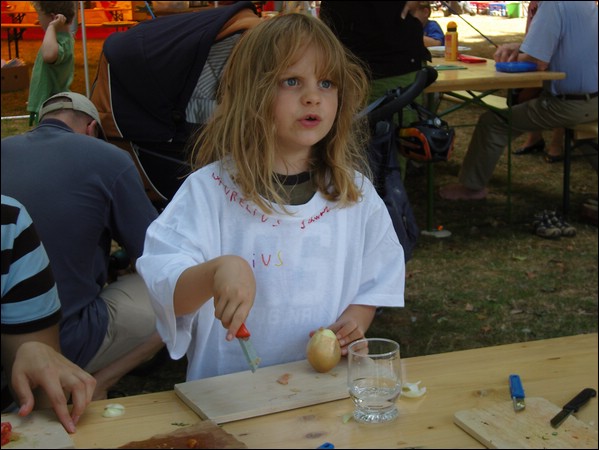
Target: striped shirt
x: 29, y: 295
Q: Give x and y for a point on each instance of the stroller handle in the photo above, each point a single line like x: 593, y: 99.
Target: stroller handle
x: 398, y: 99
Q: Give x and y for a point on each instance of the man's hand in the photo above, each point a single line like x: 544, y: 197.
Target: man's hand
x: 507, y: 53
x: 39, y: 365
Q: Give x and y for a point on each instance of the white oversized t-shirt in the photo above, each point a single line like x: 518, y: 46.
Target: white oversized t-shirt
x: 309, y: 267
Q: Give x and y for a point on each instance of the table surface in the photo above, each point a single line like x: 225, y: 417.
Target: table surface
x: 555, y: 369
x: 483, y: 77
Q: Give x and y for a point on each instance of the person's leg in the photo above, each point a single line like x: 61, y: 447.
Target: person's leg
x: 112, y: 373
x: 131, y: 338
x: 555, y: 150
x: 486, y: 146
x: 534, y: 143
x: 490, y: 137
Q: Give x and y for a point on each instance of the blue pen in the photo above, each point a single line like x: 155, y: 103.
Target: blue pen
x: 326, y: 445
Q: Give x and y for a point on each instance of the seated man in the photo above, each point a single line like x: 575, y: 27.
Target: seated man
x: 559, y: 34
x: 82, y: 194
x: 30, y: 316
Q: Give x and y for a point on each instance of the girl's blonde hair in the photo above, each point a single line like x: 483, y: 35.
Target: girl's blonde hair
x: 242, y: 131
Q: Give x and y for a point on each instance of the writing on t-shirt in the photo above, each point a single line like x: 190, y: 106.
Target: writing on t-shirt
x: 235, y: 197
x: 267, y: 259
x: 311, y: 220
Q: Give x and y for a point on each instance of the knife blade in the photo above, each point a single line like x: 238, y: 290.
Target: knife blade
x: 243, y: 336
x: 517, y: 392
x: 573, y: 406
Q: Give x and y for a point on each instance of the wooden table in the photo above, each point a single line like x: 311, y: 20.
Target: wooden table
x: 115, y: 13
x: 555, y: 369
x: 14, y: 33
x: 16, y: 29
x: 484, y: 78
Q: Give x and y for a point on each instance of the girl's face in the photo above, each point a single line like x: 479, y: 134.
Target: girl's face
x: 305, y: 108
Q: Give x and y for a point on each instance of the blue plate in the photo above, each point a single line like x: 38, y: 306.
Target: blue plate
x: 516, y: 66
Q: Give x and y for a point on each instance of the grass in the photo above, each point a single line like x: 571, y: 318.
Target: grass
x: 492, y: 281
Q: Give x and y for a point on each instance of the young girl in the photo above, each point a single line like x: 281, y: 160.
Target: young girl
x: 276, y: 227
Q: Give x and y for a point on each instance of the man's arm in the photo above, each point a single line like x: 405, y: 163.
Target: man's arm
x: 33, y: 361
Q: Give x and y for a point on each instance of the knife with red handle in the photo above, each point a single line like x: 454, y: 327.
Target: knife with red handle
x: 243, y: 336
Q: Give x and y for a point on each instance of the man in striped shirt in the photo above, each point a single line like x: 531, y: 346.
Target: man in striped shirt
x: 31, y: 312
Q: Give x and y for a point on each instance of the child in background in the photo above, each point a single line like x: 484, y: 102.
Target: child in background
x: 278, y: 226
x: 433, y: 34
x: 54, y: 65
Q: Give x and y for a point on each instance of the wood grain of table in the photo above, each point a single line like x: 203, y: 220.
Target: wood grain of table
x: 483, y: 77
x: 554, y: 369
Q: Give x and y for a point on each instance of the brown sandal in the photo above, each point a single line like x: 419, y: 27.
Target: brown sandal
x: 534, y: 148
x: 552, y: 158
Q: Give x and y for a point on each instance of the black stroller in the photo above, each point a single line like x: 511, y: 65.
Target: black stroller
x: 428, y: 139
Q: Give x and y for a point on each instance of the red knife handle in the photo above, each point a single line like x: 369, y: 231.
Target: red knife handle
x: 471, y: 59
x: 243, y: 332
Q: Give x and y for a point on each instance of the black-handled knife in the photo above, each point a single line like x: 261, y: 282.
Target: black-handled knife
x: 573, y: 406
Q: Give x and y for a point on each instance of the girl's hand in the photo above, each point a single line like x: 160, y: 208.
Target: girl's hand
x: 352, y: 325
x: 347, y: 331
x: 234, y: 292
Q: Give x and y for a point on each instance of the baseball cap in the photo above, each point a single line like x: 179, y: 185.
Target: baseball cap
x: 76, y: 102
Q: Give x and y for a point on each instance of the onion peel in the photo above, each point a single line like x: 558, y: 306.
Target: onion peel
x: 411, y: 390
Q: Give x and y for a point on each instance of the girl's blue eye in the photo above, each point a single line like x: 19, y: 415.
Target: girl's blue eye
x: 290, y: 82
x: 326, y: 84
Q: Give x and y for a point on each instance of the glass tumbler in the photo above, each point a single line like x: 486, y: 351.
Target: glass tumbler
x: 374, y: 379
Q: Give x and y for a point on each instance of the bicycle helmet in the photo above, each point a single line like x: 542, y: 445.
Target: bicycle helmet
x: 429, y: 140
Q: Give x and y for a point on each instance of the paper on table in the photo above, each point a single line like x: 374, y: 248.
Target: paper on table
x: 40, y: 429
x: 439, y: 50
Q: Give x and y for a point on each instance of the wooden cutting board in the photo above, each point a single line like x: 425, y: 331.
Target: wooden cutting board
x: 245, y: 394
x: 499, y: 426
x: 40, y: 429
x: 206, y: 434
